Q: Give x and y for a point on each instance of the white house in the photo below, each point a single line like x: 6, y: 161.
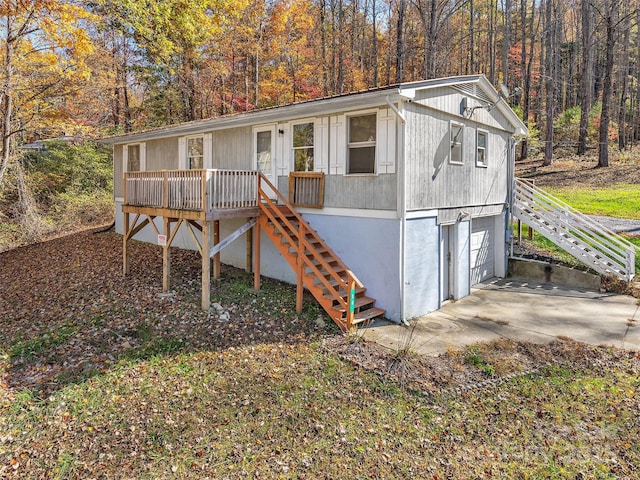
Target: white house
x: 417, y: 181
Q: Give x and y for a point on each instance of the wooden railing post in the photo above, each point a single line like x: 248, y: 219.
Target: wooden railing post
x: 165, y: 189
x: 203, y: 186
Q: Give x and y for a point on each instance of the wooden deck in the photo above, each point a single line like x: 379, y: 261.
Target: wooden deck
x: 200, y: 195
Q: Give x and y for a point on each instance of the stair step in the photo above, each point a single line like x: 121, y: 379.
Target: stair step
x: 368, y: 314
x: 360, y: 302
x: 327, y: 296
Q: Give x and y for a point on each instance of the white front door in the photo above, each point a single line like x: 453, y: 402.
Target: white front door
x: 264, y: 139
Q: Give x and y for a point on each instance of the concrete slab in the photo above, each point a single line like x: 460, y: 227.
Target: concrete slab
x: 518, y: 310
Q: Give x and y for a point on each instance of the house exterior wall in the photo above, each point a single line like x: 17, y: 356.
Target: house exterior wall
x: 371, y: 192
x: 432, y: 181
x: 232, y: 149
x: 370, y: 247
x: 162, y: 154
x: 118, y: 184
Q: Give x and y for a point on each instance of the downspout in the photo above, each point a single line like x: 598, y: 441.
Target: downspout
x: 402, y: 204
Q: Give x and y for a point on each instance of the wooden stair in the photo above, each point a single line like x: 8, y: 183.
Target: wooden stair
x: 317, y: 267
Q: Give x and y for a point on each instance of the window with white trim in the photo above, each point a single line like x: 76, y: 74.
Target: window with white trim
x: 456, y: 137
x: 264, y: 152
x: 195, y: 153
x: 361, y: 147
x: 133, y: 158
x: 482, y: 148
x: 303, y: 147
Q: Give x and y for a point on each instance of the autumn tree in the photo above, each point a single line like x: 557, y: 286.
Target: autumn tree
x: 44, y: 48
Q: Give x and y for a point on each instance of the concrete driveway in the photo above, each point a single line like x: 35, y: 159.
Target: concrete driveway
x: 519, y: 310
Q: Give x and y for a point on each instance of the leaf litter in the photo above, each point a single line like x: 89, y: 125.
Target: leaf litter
x: 103, y: 377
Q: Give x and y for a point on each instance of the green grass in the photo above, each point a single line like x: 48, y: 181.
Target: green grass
x: 622, y: 201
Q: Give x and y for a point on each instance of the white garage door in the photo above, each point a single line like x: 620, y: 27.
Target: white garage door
x: 483, y: 237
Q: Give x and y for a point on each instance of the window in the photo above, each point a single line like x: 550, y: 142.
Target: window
x: 195, y: 153
x: 303, y: 147
x: 482, y: 142
x: 361, y: 156
x: 263, y: 151
x: 133, y: 158
x: 456, y: 134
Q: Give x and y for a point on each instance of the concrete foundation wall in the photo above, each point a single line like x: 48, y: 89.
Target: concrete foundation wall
x: 553, y: 273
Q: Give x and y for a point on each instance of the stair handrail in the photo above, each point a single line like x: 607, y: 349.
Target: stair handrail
x: 554, y: 200
x: 571, y: 220
x: 352, y: 281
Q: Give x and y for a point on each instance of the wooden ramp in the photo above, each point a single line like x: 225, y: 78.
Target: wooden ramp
x: 317, y: 267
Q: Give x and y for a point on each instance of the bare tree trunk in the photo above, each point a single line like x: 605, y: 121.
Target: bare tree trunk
x: 340, y: 33
x: 400, y: 42
x: 585, y: 78
x: 548, y: 83
x: 623, y: 86
x: 506, y: 42
x: 472, y: 39
x: 7, y: 101
x: 611, y: 13
x: 375, y: 44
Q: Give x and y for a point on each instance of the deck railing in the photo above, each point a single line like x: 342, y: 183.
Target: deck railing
x: 198, y: 190
x: 306, y: 189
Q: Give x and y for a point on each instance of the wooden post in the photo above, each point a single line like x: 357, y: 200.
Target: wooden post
x: 206, y: 265
x: 256, y: 255
x: 249, y: 241
x: 300, y: 265
x: 166, y: 256
x: 216, y: 240
x: 125, y: 242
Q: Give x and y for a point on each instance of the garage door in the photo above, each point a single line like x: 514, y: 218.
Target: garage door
x: 482, y: 249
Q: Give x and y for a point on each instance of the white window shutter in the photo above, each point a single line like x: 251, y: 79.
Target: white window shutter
x: 207, y: 145
x: 182, y: 153
x: 321, y: 145
x: 338, y: 152
x: 125, y: 158
x: 143, y: 157
x: 386, y: 142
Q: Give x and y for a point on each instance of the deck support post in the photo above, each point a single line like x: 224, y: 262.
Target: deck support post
x: 256, y: 254
x: 125, y: 243
x: 166, y: 256
x: 216, y: 257
x: 249, y: 242
x: 206, y: 265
